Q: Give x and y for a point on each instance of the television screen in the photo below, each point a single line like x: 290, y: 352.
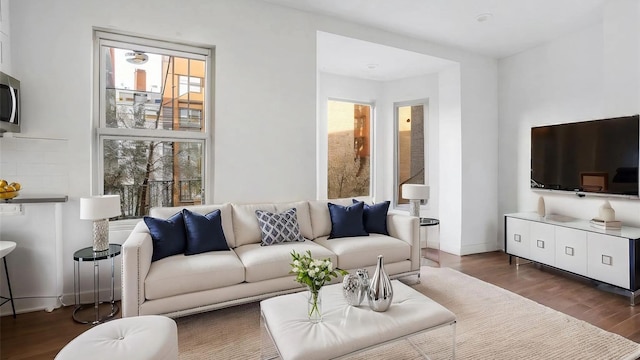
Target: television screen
x: 598, y: 156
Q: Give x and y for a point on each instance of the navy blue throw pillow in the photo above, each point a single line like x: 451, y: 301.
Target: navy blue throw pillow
x: 167, y: 235
x: 204, y: 232
x: 347, y: 221
x: 375, y: 217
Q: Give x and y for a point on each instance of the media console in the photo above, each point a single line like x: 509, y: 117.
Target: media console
x: 609, y: 257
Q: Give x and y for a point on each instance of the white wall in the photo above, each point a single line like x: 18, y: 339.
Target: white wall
x: 265, y: 94
x: 582, y: 76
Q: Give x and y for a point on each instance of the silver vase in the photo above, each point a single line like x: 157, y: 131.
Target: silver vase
x: 355, y: 287
x: 380, y: 292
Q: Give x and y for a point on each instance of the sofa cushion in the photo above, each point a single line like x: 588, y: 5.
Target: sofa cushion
x: 359, y: 252
x: 320, y: 219
x: 375, y: 217
x: 245, y: 223
x: 168, y: 235
x: 278, y: 228
x: 225, y: 213
x: 302, y: 212
x: 270, y: 262
x: 347, y: 221
x: 181, y: 274
x: 204, y: 232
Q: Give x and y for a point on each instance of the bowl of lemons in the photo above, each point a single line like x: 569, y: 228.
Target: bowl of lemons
x: 9, y: 190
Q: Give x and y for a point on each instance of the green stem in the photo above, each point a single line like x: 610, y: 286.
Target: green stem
x: 314, y: 307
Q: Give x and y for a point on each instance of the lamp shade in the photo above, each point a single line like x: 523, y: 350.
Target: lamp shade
x: 415, y: 191
x: 99, y: 207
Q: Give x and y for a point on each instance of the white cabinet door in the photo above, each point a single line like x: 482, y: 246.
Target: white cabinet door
x: 608, y: 259
x: 571, y: 250
x: 5, y: 60
x: 542, y: 238
x: 4, y: 16
x: 518, y: 237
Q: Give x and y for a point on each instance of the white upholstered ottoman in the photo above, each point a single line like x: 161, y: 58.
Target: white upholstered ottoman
x: 346, y: 330
x: 142, y: 337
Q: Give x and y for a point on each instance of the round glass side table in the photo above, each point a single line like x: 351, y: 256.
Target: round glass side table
x: 430, y: 246
x: 87, y: 254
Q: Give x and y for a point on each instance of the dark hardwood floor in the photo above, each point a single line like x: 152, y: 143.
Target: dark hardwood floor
x: 40, y: 335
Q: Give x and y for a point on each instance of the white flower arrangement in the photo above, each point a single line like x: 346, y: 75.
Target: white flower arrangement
x: 313, y: 273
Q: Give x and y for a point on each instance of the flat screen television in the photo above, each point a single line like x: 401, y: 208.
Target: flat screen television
x: 598, y: 156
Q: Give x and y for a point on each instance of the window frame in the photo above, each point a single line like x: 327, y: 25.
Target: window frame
x: 324, y: 191
x: 104, y: 37
x: 396, y: 144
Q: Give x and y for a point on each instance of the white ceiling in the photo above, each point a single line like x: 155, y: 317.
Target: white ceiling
x: 356, y: 58
x: 512, y: 27
x: 516, y: 25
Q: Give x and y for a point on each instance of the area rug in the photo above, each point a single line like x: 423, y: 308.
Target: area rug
x: 493, y: 323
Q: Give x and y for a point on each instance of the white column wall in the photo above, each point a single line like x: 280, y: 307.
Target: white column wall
x: 451, y: 162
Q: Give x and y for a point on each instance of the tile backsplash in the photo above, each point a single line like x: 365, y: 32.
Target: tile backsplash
x: 41, y: 166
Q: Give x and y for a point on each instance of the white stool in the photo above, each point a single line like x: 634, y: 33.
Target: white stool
x: 5, y: 248
x: 141, y: 338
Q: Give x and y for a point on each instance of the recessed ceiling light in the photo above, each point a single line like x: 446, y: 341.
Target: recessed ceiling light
x: 484, y: 17
x: 372, y: 66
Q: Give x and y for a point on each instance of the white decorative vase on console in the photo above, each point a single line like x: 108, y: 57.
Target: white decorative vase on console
x: 541, y: 207
x: 606, y: 212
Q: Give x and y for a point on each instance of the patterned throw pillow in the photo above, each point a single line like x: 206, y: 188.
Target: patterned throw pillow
x: 279, y: 228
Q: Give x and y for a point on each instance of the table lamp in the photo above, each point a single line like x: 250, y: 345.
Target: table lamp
x: 415, y: 193
x: 100, y: 209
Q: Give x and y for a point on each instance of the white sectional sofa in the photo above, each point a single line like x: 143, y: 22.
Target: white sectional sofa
x: 180, y: 285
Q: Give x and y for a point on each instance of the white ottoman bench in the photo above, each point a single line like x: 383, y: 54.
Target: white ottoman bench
x: 141, y: 338
x: 346, y: 330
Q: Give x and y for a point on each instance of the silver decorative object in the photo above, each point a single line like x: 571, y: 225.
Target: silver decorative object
x: 355, y: 286
x: 364, y: 284
x: 351, y: 289
x: 380, y: 292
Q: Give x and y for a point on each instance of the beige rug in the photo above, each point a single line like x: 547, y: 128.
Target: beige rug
x: 493, y: 323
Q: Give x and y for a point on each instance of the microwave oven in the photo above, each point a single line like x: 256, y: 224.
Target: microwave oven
x: 9, y: 104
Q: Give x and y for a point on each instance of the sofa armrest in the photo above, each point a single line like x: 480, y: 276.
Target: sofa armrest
x: 406, y: 228
x: 136, y: 261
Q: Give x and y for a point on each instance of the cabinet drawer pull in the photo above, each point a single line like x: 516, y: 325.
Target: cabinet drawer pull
x: 516, y: 238
x: 607, y: 260
x: 540, y: 244
x: 568, y: 250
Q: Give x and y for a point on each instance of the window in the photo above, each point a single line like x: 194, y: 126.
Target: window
x: 190, y: 84
x: 151, y: 122
x: 190, y: 118
x: 410, y: 146
x: 349, y: 154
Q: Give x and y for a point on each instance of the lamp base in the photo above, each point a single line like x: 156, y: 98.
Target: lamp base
x: 414, y: 207
x: 101, y: 235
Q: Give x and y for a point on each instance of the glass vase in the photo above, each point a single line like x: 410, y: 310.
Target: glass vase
x: 314, y: 305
